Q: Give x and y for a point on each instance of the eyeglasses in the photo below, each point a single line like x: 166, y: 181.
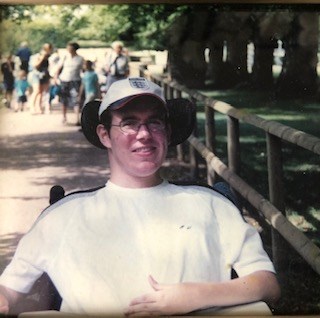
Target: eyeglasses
x: 132, y: 126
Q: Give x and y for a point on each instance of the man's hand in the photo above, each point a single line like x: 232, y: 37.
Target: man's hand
x: 166, y: 299
x: 187, y: 297
x: 4, y: 305
x: 8, y: 298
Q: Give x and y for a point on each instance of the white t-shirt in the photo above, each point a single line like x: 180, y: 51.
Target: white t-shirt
x: 100, y: 247
x: 72, y: 67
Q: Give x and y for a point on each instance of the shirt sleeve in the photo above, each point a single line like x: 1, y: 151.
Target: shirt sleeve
x: 241, y: 243
x: 24, y: 269
x: 33, y: 255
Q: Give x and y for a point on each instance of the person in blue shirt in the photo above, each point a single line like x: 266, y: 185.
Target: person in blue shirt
x: 21, y: 86
x: 89, y: 83
x: 89, y: 88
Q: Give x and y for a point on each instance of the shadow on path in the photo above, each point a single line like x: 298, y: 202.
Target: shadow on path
x: 8, y: 244
x: 64, y: 158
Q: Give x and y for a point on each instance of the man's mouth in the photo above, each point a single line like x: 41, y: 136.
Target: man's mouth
x: 144, y: 149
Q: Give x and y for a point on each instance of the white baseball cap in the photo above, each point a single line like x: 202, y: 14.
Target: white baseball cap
x: 181, y: 112
x: 123, y: 91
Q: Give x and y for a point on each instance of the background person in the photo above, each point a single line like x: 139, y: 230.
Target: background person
x: 41, y: 80
x: 69, y: 75
x: 54, y: 89
x: 21, y: 87
x: 24, y: 53
x: 89, y: 83
x: 106, y: 250
x: 7, y: 70
x: 117, y: 64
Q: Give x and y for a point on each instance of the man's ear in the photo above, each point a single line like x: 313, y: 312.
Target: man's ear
x: 103, y: 135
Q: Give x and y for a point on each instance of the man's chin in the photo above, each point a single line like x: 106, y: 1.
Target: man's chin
x: 147, y: 169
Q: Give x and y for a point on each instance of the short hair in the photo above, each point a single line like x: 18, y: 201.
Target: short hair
x: 89, y: 64
x: 75, y: 45
x: 47, y: 46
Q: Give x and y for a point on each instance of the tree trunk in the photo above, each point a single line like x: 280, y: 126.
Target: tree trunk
x: 187, y: 38
x: 216, y: 67
x: 299, y: 73
x: 262, y: 76
x: 237, y: 57
x: 187, y: 64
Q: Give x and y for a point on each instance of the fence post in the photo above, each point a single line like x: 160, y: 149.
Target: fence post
x: 280, y: 248
x: 165, y: 90
x: 210, y: 131
x: 194, y: 160
x: 141, y: 70
x: 234, y: 160
x: 233, y: 144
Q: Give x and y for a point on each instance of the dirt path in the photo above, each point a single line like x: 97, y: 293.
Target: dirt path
x: 38, y: 151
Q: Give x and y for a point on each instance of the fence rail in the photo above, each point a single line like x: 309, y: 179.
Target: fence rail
x: 276, y: 133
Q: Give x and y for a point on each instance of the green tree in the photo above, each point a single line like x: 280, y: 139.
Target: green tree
x: 15, y: 13
x: 141, y: 26
x: 56, y: 24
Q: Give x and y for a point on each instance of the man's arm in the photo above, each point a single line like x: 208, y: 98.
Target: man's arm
x: 168, y: 299
x: 8, y: 298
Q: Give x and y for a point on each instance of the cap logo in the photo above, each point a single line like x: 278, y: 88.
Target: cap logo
x: 140, y: 83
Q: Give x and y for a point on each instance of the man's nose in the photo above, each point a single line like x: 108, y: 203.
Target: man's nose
x: 143, y: 131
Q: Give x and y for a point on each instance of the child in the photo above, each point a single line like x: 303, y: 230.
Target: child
x: 21, y: 85
x: 89, y: 83
x: 7, y: 69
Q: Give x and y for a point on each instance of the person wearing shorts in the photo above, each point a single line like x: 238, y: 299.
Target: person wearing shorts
x: 70, y: 80
x: 41, y: 80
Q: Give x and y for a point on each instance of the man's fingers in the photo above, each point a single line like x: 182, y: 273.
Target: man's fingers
x: 147, y: 298
x: 4, y: 309
x: 142, y: 309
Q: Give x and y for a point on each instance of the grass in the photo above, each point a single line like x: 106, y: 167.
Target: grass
x: 301, y: 172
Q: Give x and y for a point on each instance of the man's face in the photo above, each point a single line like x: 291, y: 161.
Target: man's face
x: 118, y: 49
x: 70, y: 49
x: 140, y: 155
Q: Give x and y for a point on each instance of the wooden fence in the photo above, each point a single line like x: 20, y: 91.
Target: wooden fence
x: 272, y: 209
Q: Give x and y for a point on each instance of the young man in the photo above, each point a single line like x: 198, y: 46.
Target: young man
x: 140, y: 245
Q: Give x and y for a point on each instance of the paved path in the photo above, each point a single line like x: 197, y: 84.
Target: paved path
x: 38, y: 151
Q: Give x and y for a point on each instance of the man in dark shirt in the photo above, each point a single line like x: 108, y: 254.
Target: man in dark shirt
x: 24, y: 54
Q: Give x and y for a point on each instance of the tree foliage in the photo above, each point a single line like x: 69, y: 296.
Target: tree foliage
x: 16, y: 13
x: 142, y: 26
x: 138, y: 25
x: 40, y: 24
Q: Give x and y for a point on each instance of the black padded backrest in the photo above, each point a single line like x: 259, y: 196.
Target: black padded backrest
x: 56, y: 193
